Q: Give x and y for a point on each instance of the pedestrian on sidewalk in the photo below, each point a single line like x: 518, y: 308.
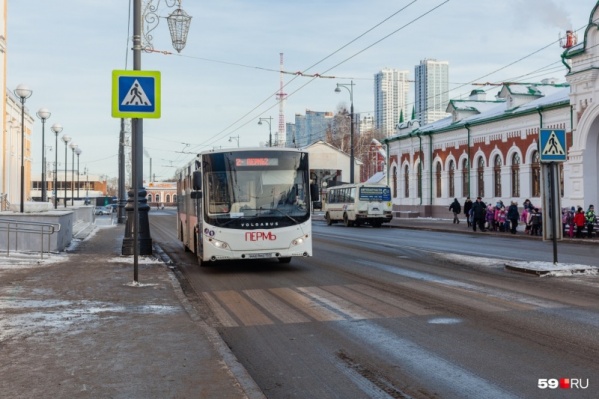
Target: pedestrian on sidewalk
x: 579, y: 221
x: 467, y: 207
x: 591, y: 219
x: 456, y: 208
x: 479, y: 211
x: 513, y: 215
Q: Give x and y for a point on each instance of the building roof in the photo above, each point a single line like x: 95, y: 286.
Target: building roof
x: 548, y: 96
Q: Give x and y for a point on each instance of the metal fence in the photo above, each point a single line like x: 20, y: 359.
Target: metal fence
x: 16, y: 227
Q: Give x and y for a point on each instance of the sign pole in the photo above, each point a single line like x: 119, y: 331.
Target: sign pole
x: 554, y: 210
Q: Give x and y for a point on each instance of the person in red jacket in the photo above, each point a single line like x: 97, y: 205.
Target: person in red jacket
x: 579, y: 221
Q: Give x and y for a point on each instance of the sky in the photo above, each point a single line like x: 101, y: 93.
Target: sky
x: 227, y: 76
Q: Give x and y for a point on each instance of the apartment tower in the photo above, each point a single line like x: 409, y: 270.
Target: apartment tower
x: 391, y: 89
x: 431, y: 90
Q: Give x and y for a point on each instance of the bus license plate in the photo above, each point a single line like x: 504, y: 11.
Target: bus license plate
x: 261, y: 255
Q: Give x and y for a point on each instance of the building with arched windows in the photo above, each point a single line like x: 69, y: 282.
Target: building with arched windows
x: 489, y: 147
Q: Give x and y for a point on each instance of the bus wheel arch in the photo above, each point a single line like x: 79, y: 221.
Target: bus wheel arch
x: 328, y: 219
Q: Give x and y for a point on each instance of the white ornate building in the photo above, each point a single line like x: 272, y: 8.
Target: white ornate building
x: 488, y: 147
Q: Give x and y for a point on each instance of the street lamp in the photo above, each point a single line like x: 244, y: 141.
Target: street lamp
x: 73, y: 147
x: 56, y: 128
x: 23, y: 92
x: 236, y: 138
x: 43, y: 114
x: 269, y: 120
x: 66, y: 140
x: 349, y: 87
x: 78, y: 151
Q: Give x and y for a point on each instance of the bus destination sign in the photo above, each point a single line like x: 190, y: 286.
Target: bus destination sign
x: 256, y: 161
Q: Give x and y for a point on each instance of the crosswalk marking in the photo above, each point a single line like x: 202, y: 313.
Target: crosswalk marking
x: 306, y: 305
x: 275, y: 307
x: 290, y: 305
x: 221, y: 314
x: 350, y: 309
x: 247, y: 313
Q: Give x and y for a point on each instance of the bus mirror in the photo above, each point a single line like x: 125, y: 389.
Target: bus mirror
x: 197, y: 180
x: 196, y: 195
x: 314, y: 192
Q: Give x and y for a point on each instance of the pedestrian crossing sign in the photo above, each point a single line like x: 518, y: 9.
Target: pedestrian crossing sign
x: 135, y: 94
x: 553, y: 145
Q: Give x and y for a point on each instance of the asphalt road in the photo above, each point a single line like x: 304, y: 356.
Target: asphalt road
x: 394, y: 313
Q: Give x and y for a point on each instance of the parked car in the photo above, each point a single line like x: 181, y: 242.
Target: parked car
x: 103, y: 210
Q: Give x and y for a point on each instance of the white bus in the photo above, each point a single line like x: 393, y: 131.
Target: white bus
x: 246, y: 204
x: 359, y: 204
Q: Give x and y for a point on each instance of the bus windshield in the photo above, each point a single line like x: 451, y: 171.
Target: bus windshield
x: 253, y: 188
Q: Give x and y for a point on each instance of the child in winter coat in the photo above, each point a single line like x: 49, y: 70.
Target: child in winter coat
x: 501, y: 220
x: 490, y: 218
x: 579, y: 222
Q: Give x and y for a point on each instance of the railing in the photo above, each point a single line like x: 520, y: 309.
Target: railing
x: 18, y: 226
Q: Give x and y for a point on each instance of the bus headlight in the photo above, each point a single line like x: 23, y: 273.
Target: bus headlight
x: 218, y: 244
x: 299, y: 241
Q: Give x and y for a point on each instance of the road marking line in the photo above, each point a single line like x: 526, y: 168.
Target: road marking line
x: 221, y: 314
x: 247, y: 313
x: 381, y: 308
x: 276, y: 307
x: 306, y: 305
x: 339, y: 304
x: 392, y: 300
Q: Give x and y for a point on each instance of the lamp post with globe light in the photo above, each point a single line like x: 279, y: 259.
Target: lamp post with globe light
x: 73, y: 147
x: 78, y: 151
x: 43, y: 114
x: 66, y: 140
x: 56, y: 128
x: 23, y: 92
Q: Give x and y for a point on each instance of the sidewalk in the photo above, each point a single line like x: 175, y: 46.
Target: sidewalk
x: 447, y: 225
x: 75, y: 326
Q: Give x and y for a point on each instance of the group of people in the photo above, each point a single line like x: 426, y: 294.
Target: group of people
x: 579, y: 219
x: 499, y: 218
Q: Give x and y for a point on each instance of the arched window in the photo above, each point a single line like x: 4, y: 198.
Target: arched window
x: 480, y: 176
x: 395, y: 182
x: 451, y: 179
x: 497, y: 175
x: 168, y: 198
x: 515, y: 175
x: 465, y: 179
x: 157, y: 197
x: 174, y: 197
x: 438, y: 177
x: 149, y: 197
x: 536, y: 174
x: 406, y: 182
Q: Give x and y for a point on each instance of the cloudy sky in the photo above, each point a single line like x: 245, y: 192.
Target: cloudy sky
x: 227, y: 76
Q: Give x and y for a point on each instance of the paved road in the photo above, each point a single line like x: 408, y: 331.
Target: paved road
x: 378, y: 313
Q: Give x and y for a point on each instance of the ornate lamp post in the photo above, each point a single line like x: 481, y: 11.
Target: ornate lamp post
x: 78, y: 151
x: 269, y: 120
x: 137, y: 237
x: 349, y: 87
x: 73, y: 147
x: 43, y: 114
x: 56, y: 128
x: 66, y: 140
x: 23, y: 92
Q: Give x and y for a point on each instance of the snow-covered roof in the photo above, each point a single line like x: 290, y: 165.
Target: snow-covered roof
x: 549, y: 94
